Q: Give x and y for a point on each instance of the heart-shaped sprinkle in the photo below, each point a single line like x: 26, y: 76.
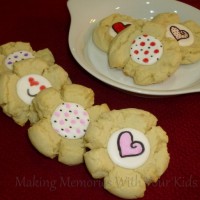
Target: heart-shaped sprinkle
x: 119, y: 26
x: 32, y: 81
x: 127, y: 146
x: 179, y: 34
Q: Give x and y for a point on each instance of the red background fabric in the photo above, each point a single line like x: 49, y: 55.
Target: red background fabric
x: 46, y: 23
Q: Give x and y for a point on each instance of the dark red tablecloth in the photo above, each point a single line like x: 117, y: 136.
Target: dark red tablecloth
x: 26, y: 174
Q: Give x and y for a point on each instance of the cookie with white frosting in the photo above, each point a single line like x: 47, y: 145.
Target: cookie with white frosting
x: 63, y: 122
x: 20, y: 86
x: 128, y: 150
x: 109, y: 27
x: 186, y: 33
x: 145, y: 53
x: 13, y: 52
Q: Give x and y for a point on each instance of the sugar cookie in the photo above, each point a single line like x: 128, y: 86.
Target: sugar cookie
x: 109, y: 27
x: 188, y: 36
x: 20, y: 86
x: 63, y: 122
x: 128, y: 150
x: 13, y: 52
x: 145, y: 53
x: 186, y: 33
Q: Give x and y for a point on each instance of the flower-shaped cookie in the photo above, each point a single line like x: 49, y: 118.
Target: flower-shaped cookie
x: 20, y: 86
x: 109, y: 27
x: 16, y: 51
x: 145, y: 53
x: 186, y: 33
x: 128, y: 150
x: 64, y: 118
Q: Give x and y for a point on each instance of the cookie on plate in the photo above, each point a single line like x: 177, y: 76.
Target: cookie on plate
x: 13, y: 52
x: 145, y: 53
x: 109, y: 27
x: 188, y: 36
x: 186, y: 33
x: 128, y: 150
x: 20, y: 86
x: 63, y: 122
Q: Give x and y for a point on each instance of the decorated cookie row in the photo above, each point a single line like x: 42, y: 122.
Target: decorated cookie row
x: 64, y: 122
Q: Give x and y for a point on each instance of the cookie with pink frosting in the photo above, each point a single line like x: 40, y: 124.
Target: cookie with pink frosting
x: 64, y: 119
x: 13, y: 52
x: 128, y: 150
x: 145, y: 53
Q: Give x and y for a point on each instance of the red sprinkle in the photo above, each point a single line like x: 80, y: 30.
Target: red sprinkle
x: 152, y: 43
x: 42, y: 87
x: 145, y: 60
x: 136, y: 52
x: 142, y: 43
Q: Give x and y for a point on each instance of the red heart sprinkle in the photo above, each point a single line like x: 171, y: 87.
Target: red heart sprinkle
x: 32, y: 81
x: 119, y: 26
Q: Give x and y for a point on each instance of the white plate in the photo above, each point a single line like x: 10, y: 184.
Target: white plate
x: 86, y: 14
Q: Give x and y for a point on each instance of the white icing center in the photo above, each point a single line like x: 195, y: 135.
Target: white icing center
x: 30, y: 85
x: 146, y: 50
x: 128, y: 148
x: 118, y: 27
x: 70, y: 120
x: 181, y: 33
x: 16, y: 57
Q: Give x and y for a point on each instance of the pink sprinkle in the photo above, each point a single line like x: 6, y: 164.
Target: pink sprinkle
x: 82, y: 121
x: 68, y: 105
x: 73, y: 121
x: 57, y: 114
x: 67, y: 130
x: 76, y: 112
x: 78, y: 131
x: 61, y: 122
x: 66, y: 114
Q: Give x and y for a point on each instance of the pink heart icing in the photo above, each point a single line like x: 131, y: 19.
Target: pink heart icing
x: 127, y: 146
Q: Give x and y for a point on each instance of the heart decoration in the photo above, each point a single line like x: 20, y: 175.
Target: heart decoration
x: 127, y: 146
x: 179, y: 34
x: 32, y: 81
x: 119, y: 26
